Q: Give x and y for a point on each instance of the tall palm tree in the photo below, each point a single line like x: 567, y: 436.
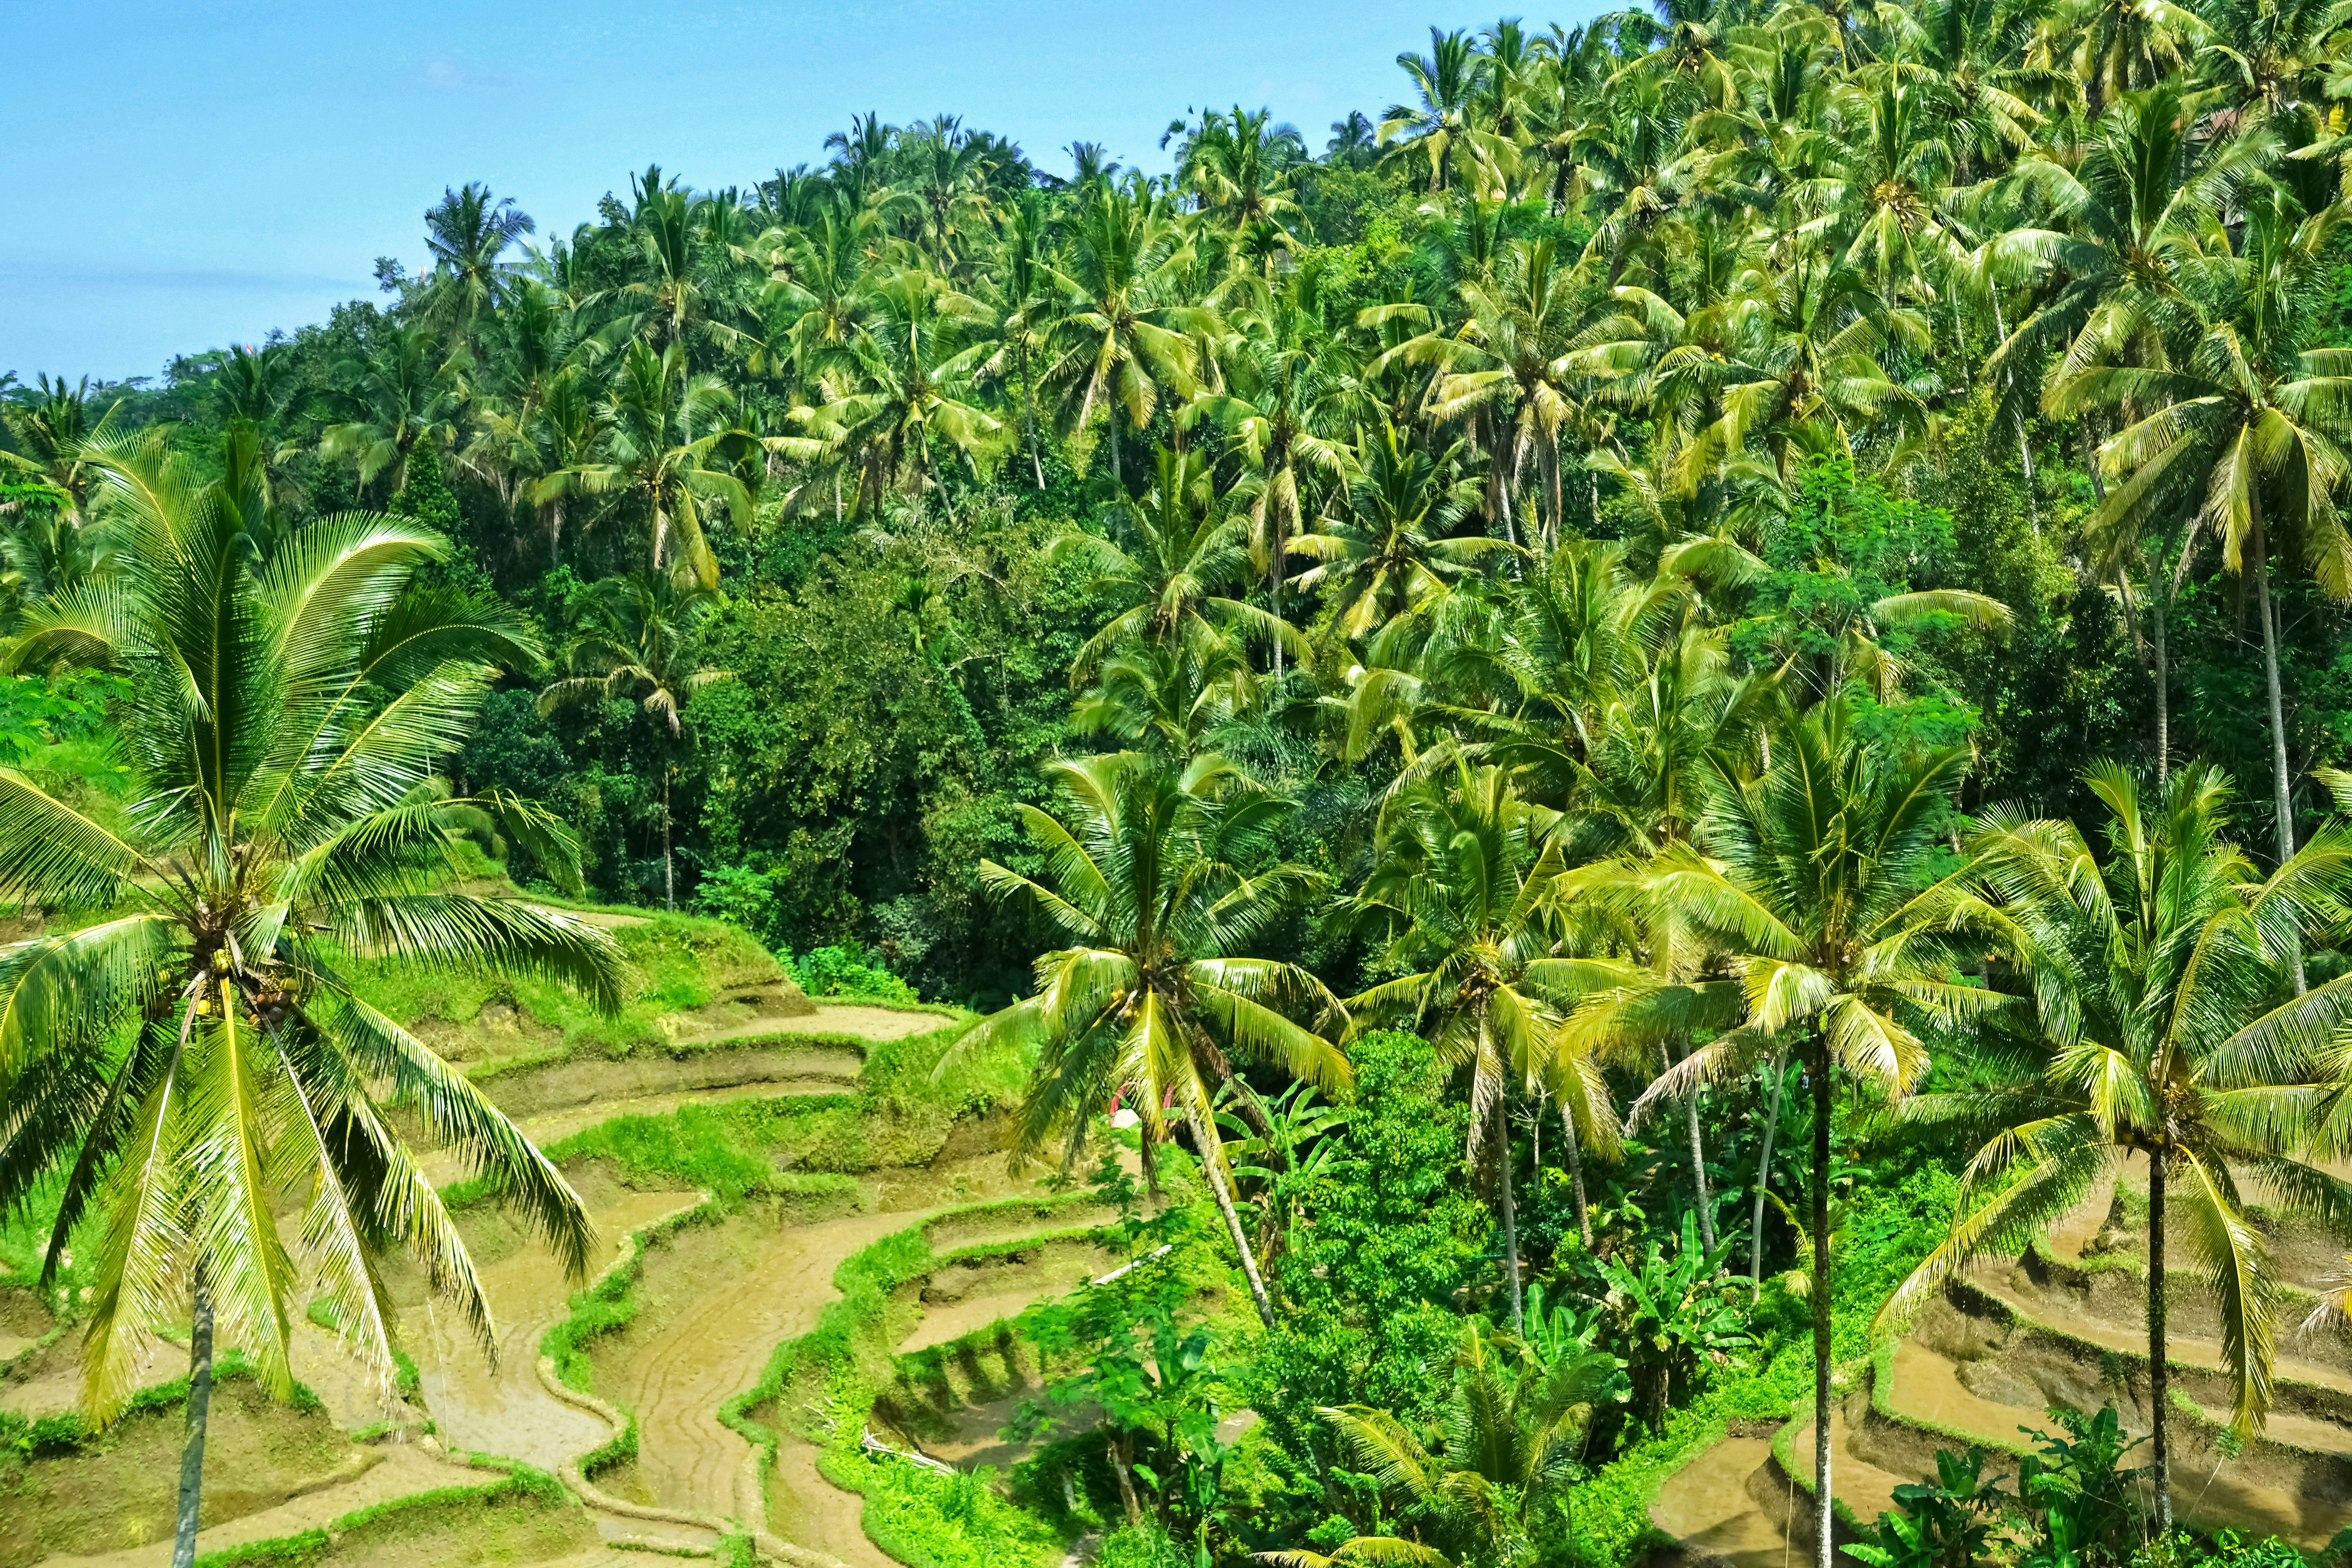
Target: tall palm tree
x: 1436, y: 125
x: 402, y: 391
x: 2152, y: 964
x: 651, y: 450
x: 2248, y: 423
x: 1188, y: 547
x: 467, y: 232
x: 1286, y: 377
x: 1154, y: 878
x: 1127, y: 330
x: 1391, y: 552
x: 643, y: 640
x: 53, y: 427
x: 906, y: 398
x: 179, y: 1065
x: 1463, y: 881
x: 1807, y: 884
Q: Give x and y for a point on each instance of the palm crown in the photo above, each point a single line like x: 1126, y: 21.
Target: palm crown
x: 197, y: 1048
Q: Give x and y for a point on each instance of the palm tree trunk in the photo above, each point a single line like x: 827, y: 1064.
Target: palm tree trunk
x: 2160, y: 1450
x: 1763, y: 1180
x: 1826, y: 1514
x: 200, y: 1401
x: 1214, y: 1171
x: 1699, y: 1156
x: 1576, y: 1177
x: 670, y: 883
x: 1510, y: 1224
x: 2160, y: 601
x: 1110, y: 433
x: 2024, y: 452
x: 2280, y: 796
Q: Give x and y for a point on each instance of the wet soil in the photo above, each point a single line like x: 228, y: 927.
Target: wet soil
x: 120, y: 1491
x: 598, y: 1084
x: 1707, y: 1506
x: 507, y: 1412
x: 809, y: 1511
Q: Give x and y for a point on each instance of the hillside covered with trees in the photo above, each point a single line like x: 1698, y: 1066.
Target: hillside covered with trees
x: 1591, y: 744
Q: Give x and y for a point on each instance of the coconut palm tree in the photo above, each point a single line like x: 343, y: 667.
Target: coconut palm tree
x: 1462, y: 882
x: 1285, y: 379
x: 467, y: 232
x: 1806, y: 884
x: 177, y: 1065
x: 643, y: 640
x: 2152, y: 964
x: 1391, y: 552
x: 651, y: 450
x: 1188, y: 547
x: 907, y: 399
x: 1126, y: 331
x: 402, y: 391
x: 52, y: 428
x: 1156, y: 879
x: 2247, y: 421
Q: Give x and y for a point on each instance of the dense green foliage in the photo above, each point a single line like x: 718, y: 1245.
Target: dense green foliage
x: 1624, y: 571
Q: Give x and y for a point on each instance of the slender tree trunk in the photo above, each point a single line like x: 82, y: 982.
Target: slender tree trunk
x: 1274, y: 578
x: 2161, y: 602
x: 2282, y: 798
x: 1699, y: 1156
x: 2024, y: 452
x: 669, y: 882
x: 2161, y: 1449
x: 1825, y: 1511
x: 2090, y: 457
x: 1576, y: 1177
x: 1117, y: 1448
x: 1763, y: 1179
x: 200, y: 1402
x: 1510, y: 1225
x: 1110, y: 432
x: 1211, y: 1168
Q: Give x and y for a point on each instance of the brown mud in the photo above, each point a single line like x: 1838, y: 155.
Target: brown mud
x: 2065, y: 1326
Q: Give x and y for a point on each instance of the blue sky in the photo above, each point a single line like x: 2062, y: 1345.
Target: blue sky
x: 191, y: 174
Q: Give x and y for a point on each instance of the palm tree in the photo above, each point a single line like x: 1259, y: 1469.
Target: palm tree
x: 643, y: 640
x: 1286, y: 377
x: 2248, y: 421
x: 1125, y: 332
x: 282, y: 729
x: 1513, y: 1432
x: 399, y: 393
x: 1236, y: 164
x: 651, y: 451
x: 54, y: 427
x: 2151, y: 968
x: 1188, y: 547
x: 1516, y: 358
x: 1807, y: 884
x: 467, y: 233
x: 1155, y: 878
x: 1392, y: 552
x: 1022, y: 312
x: 1462, y: 882
x: 907, y: 389
x: 1437, y: 126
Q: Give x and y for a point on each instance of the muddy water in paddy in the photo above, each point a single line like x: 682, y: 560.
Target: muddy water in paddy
x: 507, y: 1412
x: 1979, y: 1378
